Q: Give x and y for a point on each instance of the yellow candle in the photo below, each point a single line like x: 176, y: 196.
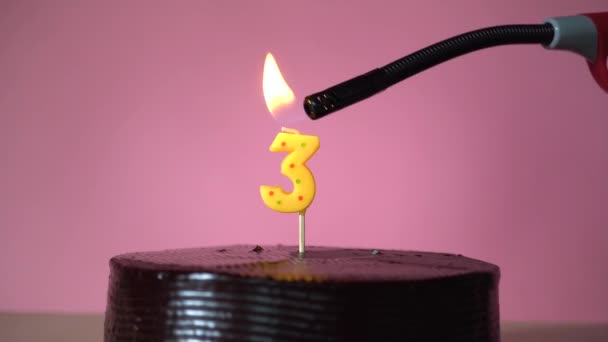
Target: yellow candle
x: 301, y: 148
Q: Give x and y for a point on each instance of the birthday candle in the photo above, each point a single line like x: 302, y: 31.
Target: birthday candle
x: 301, y: 148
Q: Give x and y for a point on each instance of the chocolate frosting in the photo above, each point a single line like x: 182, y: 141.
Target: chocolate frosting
x: 271, y: 293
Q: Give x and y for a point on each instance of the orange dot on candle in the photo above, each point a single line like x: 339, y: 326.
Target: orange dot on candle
x: 271, y: 193
x: 300, y: 198
x: 292, y: 166
x: 283, y: 144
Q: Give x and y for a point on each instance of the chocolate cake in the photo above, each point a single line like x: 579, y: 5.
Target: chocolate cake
x: 253, y: 293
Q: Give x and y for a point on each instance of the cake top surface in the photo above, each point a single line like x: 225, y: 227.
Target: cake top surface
x: 319, y: 264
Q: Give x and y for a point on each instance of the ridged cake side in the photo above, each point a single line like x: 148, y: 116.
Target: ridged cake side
x: 243, y: 293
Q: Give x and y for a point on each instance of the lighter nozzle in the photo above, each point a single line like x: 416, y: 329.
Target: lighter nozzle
x: 344, y: 94
x: 319, y: 105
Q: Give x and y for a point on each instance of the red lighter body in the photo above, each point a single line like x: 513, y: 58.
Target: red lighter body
x: 599, y: 67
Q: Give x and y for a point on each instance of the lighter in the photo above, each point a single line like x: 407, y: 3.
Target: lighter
x: 586, y: 35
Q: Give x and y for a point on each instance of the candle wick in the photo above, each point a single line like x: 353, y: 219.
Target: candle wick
x: 289, y: 130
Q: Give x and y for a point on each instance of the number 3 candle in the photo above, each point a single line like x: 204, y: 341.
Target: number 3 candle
x: 300, y: 149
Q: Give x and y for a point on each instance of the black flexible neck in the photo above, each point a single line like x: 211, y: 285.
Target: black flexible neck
x: 361, y: 87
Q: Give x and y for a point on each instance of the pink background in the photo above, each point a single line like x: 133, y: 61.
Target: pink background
x: 141, y: 125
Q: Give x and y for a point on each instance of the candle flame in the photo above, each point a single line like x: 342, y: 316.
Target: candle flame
x: 277, y: 93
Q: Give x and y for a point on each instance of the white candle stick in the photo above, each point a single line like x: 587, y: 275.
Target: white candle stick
x: 302, y: 230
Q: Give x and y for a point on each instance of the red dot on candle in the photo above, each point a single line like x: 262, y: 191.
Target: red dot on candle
x: 283, y: 144
x: 292, y: 166
x: 300, y: 198
x: 271, y: 193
